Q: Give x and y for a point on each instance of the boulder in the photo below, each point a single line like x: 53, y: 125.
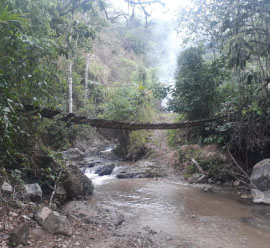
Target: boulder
x: 33, y: 192
x: 76, y: 183
x: 73, y: 154
x: 6, y: 188
x: 260, y: 176
x: 105, y: 169
x: 57, y: 224
x: 118, y: 219
x: 90, y: 162
x: 91, y: 152
x: 41, y: 214
x: 19, y: 236
x: 53, y: 222
x: 260, y: 196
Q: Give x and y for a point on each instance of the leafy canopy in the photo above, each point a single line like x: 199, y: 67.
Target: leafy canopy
x: 195, y: 86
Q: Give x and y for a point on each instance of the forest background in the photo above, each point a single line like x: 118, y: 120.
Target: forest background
x: 91, y: 59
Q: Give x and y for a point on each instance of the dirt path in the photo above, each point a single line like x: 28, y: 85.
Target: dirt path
x: 164, y: 156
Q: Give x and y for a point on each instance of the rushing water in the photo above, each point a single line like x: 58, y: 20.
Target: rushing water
x: 97, y: 180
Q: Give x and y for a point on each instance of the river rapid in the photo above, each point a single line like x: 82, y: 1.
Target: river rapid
x: 184, y: 214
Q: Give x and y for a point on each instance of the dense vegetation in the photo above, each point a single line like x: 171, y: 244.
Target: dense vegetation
x: 75, y: 56
x: 228, y: 75
x: 85, y: 57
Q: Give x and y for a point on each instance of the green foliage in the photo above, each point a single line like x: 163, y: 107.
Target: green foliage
x: 185, y: 159
x: 212, y: 165
x: 122, y: 105
x: 31, y: 45
x: 195, y: 94
x: 176, y: 137
x: 171, y: 136
x: 195, y: 88
x: 127, y: 103
x: 133, y: 104
x: 138, y: 138
x: 9, y: 119
x: 9, y: 101
x: 136, y: 42
x: 189, y: 170
x: 137, y: 144
x: 160, y: 91
x: 9, y: 18
x: 17, y: 176
x: 38, y: 41
x: 237, y: 32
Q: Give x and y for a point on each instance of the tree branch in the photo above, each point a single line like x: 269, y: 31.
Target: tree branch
x: 240, y: 168
x: 145, y: 2
x: 260, y: 42
x: 55, y: 186
x: 107, y: 15
x: 142, y: 5
x: 73, y: 4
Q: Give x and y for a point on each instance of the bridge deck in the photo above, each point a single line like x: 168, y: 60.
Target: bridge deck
x: 101, y: 123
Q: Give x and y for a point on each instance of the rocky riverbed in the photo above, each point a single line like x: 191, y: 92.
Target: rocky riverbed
x: 139, y: 205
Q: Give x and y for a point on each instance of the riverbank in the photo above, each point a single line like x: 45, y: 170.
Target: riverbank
x: 155, y: 213
x: 146, y: 212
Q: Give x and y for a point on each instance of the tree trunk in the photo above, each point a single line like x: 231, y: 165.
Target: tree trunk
x: 86, y: 76
x: 123, y: 139
x: 70, y: 99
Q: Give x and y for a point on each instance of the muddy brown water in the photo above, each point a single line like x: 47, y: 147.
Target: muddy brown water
x: 186, y: 212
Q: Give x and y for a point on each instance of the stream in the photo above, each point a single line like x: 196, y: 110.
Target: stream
x: 183, y: 213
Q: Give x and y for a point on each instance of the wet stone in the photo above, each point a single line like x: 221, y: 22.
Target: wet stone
x: 76, y: 183
x: 33, y: 192
x: 57, y: 224
x: 6, y: 188
x: 260, y: 176
x: 41, y: 214
x: 105, y: 170
x: 261, y: 196
x: 73, y: 154
x: 118, y: 219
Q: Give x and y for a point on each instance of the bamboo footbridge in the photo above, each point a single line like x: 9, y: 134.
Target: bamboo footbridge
x: 101, y: 123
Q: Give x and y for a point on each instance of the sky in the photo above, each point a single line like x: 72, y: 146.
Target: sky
x: 170, y: 9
